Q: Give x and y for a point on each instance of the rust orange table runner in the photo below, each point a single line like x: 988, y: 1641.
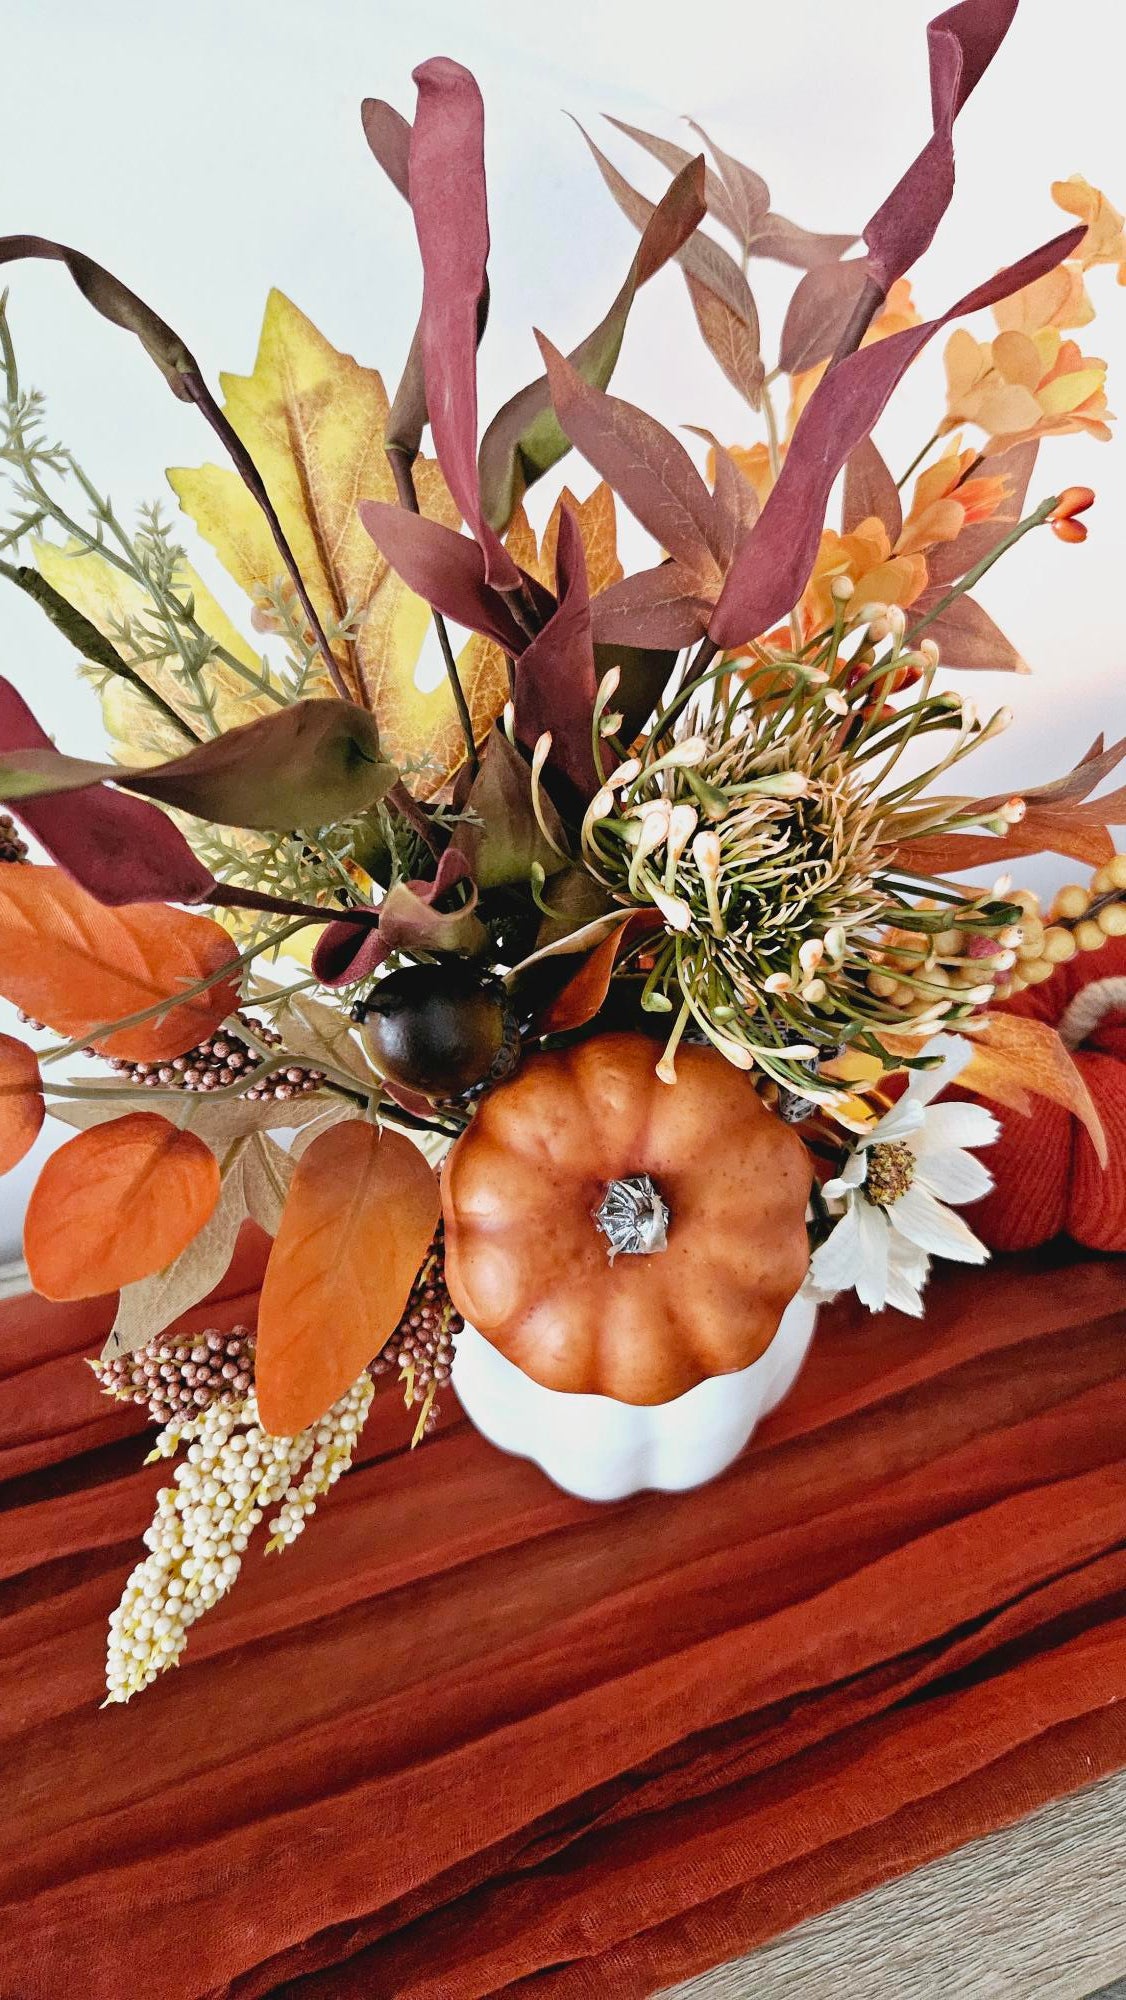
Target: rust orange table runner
x: 471, y: 1737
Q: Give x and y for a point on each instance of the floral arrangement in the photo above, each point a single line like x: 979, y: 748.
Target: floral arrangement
x: 706, y: 811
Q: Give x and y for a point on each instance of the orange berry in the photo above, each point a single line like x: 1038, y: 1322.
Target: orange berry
x: 1073, y: 500
x: 1069, y: 531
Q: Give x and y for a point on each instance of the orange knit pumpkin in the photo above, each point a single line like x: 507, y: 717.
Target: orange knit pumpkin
x: 1048, y: 1180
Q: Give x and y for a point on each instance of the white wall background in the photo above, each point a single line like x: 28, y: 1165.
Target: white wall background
x: 208, y: 150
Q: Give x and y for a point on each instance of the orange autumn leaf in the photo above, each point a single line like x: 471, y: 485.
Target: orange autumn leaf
x: 358, y: 1221
x: 1013, y: 1055
x: 116, y: 1204
x: 71, y: 963
x: 21, y: 1101
x: 582, y: 996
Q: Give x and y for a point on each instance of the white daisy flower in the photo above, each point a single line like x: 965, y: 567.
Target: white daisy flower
x: 894, y: 1188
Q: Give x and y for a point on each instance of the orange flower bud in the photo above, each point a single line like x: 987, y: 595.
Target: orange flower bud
x: 1068, y: 530
x: 1073, y: 500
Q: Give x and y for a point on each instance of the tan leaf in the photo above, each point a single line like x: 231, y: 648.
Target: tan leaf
x: 256, y: 1176
x: 1013, y: 1055
x: 317, y: 1033
x: 216, y: 1119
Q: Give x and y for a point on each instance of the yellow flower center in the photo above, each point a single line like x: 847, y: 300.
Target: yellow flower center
x: 891, y: 1170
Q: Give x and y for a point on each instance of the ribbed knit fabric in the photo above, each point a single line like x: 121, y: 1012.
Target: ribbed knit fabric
x: 470, y: 1737
x: 1048, y: 1176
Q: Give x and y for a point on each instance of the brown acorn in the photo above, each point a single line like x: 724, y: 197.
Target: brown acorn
x: 438, y: 1029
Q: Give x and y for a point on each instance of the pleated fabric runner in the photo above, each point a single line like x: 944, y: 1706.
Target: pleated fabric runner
x: 471, y: 1737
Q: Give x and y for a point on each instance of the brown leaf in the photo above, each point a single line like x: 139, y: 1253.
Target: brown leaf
x: 870, y: 490
x: 821, y: 307
x: 642, y: 461
x: 659, y: 607
x: 676, y: 158
x: 582, y: 996
x: 947, y: 561
x: 747, y: 191
x: 968, y: 638
x: 732, y: 339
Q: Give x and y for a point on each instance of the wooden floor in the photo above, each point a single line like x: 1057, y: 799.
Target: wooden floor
x: 1036, y: 1912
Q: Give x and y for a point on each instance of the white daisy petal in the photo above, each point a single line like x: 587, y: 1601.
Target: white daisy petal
x: 956, y: 1125
x: 904, y: 1117
x: 904, y: 1295
x: 923, y: 1220
x: 852, y: 1175
x: 871, y: 1281
x: 926, y: 1084
x: 907, y: 1262
x: 953, y: 1175
x: 835, y: 1262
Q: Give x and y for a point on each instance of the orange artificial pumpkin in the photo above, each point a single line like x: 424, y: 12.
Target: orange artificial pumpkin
x: 529, y: 1264
x: 1048, y: 1180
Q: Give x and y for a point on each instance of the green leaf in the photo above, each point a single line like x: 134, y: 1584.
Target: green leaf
x: 309, y: 765
x: 500, y: 836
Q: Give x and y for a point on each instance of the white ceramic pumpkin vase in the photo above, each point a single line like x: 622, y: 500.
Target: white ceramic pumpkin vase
x: 626, y: 1256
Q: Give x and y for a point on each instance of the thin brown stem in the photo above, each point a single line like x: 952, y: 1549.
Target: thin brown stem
x: 402, y: 471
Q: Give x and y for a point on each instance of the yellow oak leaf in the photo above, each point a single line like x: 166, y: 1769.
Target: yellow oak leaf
x: 110, y: 599
x: 314, y: 420
x: 481, y: 664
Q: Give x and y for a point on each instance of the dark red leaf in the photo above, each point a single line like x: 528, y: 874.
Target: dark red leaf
x: 118, y: 849
x: 962, y: 43
x: 821, y: 307
x: 344, y: 953
x: 774, y: 563
x: 524, y: 438
x: 643, y: 463
x: 447, y: 192
x: 656, y: 607
x: 445, y: 568
x: 555, y: 675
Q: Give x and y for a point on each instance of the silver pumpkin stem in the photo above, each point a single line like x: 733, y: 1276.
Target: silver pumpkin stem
x: 633, y: 1218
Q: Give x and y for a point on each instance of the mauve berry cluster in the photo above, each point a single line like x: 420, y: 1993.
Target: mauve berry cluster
x: 12, y: 848
x: 421, y: 1349
x: 220, y: 1061
x: 176, y: 1379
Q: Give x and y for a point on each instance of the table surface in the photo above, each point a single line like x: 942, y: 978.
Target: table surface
x: 1034, y: 1912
